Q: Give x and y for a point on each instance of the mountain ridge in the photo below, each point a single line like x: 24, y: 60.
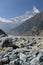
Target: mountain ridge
x: 33, y: 26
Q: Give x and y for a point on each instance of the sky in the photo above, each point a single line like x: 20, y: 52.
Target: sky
x: 14, y: 8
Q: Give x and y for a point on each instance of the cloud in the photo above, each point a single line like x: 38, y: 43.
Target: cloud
x: 5, y: 20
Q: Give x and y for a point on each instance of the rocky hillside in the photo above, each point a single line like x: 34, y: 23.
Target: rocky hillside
x: 31, y: 27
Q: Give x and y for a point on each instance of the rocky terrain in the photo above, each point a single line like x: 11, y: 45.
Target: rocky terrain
x: 21, y: 50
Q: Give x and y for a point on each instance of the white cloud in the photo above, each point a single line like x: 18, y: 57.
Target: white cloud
x: 5, y: 20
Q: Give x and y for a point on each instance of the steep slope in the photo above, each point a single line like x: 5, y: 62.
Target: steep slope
x: 33, y: 26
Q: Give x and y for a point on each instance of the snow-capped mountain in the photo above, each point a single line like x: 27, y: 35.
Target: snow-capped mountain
x: 8, y: 24
x: 31, y: 27
x: 27, y: 15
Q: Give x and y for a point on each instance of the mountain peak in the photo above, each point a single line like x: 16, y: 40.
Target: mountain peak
x: 35, y: 10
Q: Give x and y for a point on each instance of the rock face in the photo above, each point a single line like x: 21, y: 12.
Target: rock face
x: 9, y: 43
x: 32, y: 27
x: 2, y: 33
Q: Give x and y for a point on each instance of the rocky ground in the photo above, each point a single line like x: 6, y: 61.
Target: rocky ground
x: 21, y: 51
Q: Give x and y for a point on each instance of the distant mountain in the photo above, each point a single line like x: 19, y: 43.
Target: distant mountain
x: 8, y: 24
x: 32, y: 26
